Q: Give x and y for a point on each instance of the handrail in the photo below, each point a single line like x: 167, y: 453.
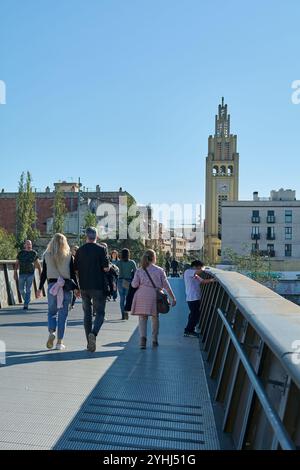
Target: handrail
x: 271, y: 414
x: 269, y: 314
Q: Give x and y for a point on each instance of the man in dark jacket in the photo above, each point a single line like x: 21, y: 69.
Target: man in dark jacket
x: 91, y: 263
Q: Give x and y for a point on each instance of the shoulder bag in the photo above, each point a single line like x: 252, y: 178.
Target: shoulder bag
x: 162, y: 300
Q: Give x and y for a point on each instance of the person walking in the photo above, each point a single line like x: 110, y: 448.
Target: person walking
x: 144, y: 300
x: 74, y: 248
x: 174, y: 267
x: 26, y: 262
x: 167, y: 267
x: 114, y: 258
x: 193, y: 280
x: 91, y: 263
x: 127, y: 268
x: 58, y: 267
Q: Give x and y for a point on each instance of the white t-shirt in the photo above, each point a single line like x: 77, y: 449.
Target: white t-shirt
x: 192, y: 285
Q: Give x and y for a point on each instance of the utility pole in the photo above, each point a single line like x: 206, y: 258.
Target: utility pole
x: 78, y: 212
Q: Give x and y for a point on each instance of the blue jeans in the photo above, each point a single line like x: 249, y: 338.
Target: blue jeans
x: 58, y: 317
x: 98, y: 297
x: 25, y: 284
x: 123, y: 291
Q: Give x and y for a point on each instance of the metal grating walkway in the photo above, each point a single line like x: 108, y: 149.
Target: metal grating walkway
x: 121, y: 398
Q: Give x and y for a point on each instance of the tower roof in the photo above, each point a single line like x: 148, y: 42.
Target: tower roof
x: 222, y: 125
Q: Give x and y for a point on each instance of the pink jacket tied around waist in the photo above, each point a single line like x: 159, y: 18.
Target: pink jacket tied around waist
x: 58, y: 291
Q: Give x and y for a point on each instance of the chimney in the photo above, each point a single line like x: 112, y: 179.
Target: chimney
x: 255, y: 195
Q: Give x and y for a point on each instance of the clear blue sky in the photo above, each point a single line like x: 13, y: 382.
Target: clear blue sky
x: 124, y: 93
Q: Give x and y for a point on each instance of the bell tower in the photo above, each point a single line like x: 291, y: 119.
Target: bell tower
x: 222, y: 179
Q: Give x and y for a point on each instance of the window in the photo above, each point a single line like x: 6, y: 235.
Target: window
x: 271, y: 217
x: 288, y: 233
x: 220, y: 200
x: 227, y: 150
x: 270, y: 233
x: 288, y: 249
x: 270, y: 249
x: 255, y: 247
x: 255, y: 235
x: 223, y: 170
x: 288, y: 216
x: 255, y: 217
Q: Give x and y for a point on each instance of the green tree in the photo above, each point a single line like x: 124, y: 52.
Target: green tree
x: 60, y: 210
x: 160, y: 258
x: 8, y: 248
x: 135, y: 246
x: 90, y: 220
x: 253, y: 265
x: 26, y: 213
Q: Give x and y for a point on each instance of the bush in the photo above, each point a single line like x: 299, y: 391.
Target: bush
x: 8, y: 248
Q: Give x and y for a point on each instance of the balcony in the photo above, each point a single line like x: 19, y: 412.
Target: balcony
x: 269, y: 253
x: 255, y: 220
x: 271, y: 219
x: 270, y: 236
x: 255, y: 236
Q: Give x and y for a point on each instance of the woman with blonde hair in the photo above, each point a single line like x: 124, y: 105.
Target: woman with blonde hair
x: 58, y: 269
x: 144, y: 300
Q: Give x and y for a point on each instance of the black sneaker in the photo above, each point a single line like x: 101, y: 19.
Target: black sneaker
x: 25, y: 307
x: 191, y: 334
x: 91, y: 342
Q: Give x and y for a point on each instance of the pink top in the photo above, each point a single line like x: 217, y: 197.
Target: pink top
x: 144, y: 300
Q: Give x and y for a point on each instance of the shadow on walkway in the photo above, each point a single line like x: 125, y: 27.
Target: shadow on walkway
x: 17, y: 357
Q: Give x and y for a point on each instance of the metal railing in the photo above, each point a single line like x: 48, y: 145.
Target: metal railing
x: 9, y: 288
x: 251, y: 341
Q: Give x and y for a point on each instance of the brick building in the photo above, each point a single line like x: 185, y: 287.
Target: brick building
x: 44, y: 202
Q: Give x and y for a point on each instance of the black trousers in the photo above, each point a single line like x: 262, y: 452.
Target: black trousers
x: 93, y: 299
x: 194, y: 316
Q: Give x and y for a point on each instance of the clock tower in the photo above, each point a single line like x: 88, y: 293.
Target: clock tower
x: 222, y: 179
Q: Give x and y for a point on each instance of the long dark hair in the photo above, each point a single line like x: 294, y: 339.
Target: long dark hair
x: 147, y: 258
x: 116, y: 253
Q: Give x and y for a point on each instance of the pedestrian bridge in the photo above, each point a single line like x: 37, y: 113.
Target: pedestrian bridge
x: 236, y: 388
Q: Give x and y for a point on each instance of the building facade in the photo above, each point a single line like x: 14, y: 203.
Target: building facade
x: 222, y: 178
x: 89, y: 200
x: 268, y: 226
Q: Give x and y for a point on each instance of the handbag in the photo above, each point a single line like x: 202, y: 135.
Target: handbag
x: 162, y: 300
x: 129, y: 298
